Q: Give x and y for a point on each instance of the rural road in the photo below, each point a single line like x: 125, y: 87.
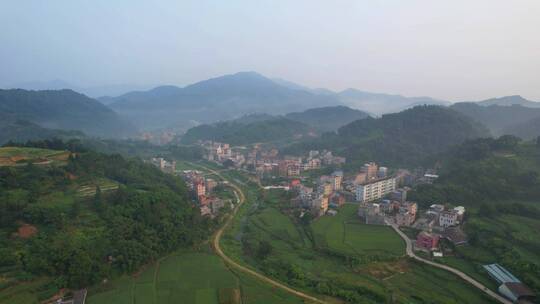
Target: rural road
x: 460, y: 274
x: 217, y: 237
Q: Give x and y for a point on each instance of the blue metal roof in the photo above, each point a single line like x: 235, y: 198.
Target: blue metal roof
x: 500, y: 274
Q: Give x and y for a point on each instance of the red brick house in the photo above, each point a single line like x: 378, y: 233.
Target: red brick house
x: 427, y: 241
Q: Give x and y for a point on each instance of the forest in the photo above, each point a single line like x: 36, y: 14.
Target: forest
x: 92, y: 218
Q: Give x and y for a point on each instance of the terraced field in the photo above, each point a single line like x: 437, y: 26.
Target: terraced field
x: 17, y: 156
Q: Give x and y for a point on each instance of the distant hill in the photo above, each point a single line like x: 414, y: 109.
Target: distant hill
x: 92, y: 91
x: 242, y: 132
x: 514, y: 120
x: 63, y: 110
x: 529, y: 129
x: 378, y: 104
x: 510, y: 101
x: 12, y: 129
x: 405, y: 139
x: 220, y: 98
x: 327, y: 118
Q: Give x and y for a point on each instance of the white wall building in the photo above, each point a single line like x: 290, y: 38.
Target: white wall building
x: 376, y: 189
x: 448, y: 218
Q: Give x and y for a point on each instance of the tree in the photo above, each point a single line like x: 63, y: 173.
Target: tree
x: 264, y: 250
x: 98, y: 200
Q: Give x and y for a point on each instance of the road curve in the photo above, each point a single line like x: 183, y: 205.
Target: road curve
x: 460, y: 274
x: 217, y: 237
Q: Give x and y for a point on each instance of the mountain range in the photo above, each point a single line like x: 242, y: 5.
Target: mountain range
x: 215, y: 99
x: 231, y: 96
x: 234, y: 96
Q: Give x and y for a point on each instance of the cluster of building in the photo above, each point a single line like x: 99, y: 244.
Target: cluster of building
x: 222, y: 152
x: 393, y: 208
x: 440, y: 222
x: 317, y: 200
x: 164, y: 165
x: 270, y: 163
x: 202, y: 189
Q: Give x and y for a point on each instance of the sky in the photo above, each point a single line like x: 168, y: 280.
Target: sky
x: 455, y: 50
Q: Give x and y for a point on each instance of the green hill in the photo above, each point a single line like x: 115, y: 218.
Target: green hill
x: 515, y: 120
x: 61, y: 110
x: 91, y: 217
x: 12, y: 129
x: 256, y: 131
x: 497, y: 181
x: 327, y: 118
x: 400, y: 139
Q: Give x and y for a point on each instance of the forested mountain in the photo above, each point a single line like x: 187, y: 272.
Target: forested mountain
x: 377, y: 103
x: 497, y: 181
x: 399, y: 139
x: 327, y: 118
x: 515, y: 120
x: 509, y: 101
x: 220, y: 98
x: 75, y: 223
x: 257, y: 131
x: 64, y: 110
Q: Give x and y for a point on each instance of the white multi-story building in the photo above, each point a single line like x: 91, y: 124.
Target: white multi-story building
x: 375, y: 189
x: 448, y: 218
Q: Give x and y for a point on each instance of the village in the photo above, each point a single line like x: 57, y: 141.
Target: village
x: 379, y: 192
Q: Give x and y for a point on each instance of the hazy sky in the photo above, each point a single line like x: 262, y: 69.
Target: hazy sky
x: 456, y: 50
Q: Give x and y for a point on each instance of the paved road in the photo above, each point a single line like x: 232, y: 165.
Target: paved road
x: 217, y: 236
x: 460, y: 274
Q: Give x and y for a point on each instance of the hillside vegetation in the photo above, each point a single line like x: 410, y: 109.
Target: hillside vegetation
x: 515, y: 120
x: 401, y: 139
x: 76, y: 223
x: 63, y: 110
x: 258, y: 131
x: 497, y: 180
x: 327, y: 118
x: 17, y: 130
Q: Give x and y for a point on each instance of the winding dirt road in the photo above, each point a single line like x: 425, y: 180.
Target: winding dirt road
x: 460, y: 274
x: 217, y: 237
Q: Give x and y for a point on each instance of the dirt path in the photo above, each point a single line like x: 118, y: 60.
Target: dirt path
x: 217, y: 237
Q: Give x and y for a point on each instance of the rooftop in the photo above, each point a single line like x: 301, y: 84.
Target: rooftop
x: 500, y: 274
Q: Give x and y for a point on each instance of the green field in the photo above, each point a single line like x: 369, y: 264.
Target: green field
x: 188, y: 277
x: 345, y: 233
